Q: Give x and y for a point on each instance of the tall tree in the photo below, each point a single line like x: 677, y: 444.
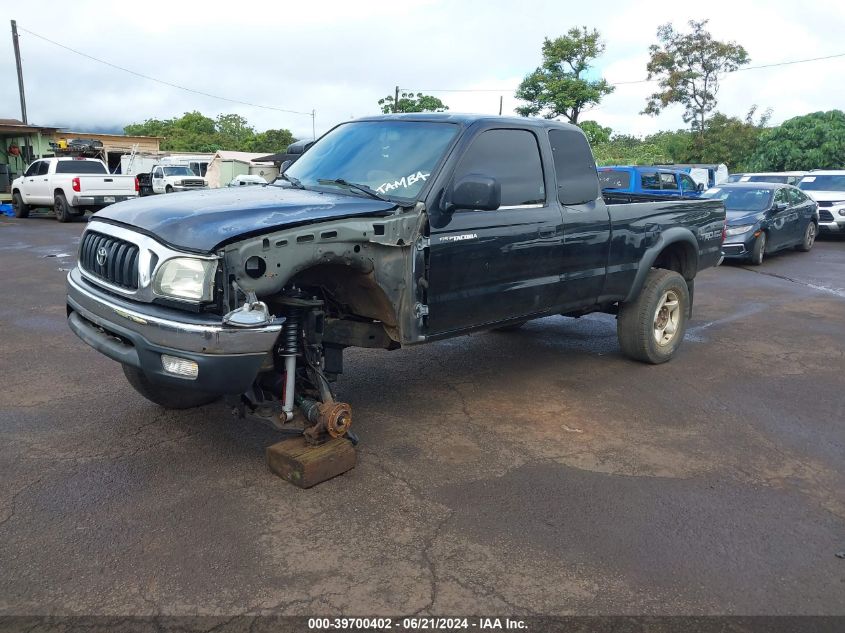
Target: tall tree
x: 271, y: 141
x: 560, y: 87
x: 731, y: 140
x: 595, y: 133
x: 687, y: 67
x: 410, y: 102
x: 812, y: 141
x: 234, y: 130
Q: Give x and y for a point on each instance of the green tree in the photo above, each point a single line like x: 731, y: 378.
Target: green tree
x: 560, y: 87
x: 271, y: 141
x: 596, y: 134
x: 687, y: 67
x: 731, y: 140
x: 812, y: 141
x: 234, y: 131
x: 410, y: 102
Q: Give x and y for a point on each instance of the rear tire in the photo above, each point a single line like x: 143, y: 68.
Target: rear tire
x: 651, y: 328
x: 21, y: 209
x: 165, y: 395
x: 62, y: 208
x: 809, y: 237
x: 758, y: 253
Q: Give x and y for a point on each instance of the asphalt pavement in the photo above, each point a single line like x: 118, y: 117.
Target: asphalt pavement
x: 531, y: 472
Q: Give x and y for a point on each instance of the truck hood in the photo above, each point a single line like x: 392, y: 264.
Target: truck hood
x: 202, y: 220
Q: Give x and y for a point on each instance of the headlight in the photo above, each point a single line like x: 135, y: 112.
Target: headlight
x: 738, y: 230
x: 186, y: 278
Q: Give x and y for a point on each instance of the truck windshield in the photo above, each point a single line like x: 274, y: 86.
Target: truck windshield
x: 741, y: 199
x: 178, y: 171
x: 394, y: 158
x: 614, y: 179
x: 80, y: 167
x: 822, y: 183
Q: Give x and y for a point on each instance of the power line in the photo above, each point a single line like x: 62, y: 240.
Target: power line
x: 635, y: 81
x: 161, y: 81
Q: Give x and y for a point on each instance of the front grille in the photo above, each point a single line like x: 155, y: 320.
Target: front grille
x: 193, y: 183
x: 825, y: 216
x: 826, y: 203
x: 120, y: 264
x: 732, y: 249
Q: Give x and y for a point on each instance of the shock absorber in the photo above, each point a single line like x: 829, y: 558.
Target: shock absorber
x: 289, y: 349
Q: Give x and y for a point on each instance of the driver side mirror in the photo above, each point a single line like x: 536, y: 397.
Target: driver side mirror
x: 284, y: 166
x: 474, y: 191
x: 779, y: 206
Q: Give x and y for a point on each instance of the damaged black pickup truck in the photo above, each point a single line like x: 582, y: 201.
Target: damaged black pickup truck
x: 389, y: 231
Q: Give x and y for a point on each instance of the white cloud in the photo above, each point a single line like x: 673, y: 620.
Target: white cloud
x: 341, y: 57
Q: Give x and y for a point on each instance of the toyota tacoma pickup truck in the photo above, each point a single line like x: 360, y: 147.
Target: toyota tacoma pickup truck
x: 390, y: 231
x: 71, y: 186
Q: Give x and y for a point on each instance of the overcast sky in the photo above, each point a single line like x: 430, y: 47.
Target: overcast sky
x: 339, y: 58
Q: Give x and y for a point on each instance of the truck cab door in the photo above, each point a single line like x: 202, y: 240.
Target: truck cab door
x: 491, y: 266
x: 42, y: 193
x: 29, y: 189
x: 157, y: 179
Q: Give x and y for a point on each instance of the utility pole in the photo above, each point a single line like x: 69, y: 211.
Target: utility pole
x: 396, y: 100
x: 313, y: 125
x: 17, y: 48
x: 20, y: 70
x: 500, y: 104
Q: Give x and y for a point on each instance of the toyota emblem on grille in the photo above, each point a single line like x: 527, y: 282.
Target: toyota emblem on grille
x: 102, y: 253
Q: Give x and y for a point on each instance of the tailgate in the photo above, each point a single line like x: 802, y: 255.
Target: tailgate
x: 107, y: 185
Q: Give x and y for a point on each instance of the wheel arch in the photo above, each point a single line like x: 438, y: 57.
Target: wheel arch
x: 676, y: 250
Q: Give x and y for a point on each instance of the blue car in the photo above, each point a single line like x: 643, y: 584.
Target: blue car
x: 763, y: 218
x: 654, y: 181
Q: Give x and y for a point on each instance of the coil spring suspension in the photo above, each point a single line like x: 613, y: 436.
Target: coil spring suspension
x: 290, y: 332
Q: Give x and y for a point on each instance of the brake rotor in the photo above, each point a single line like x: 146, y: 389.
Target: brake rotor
x: 337, y: 417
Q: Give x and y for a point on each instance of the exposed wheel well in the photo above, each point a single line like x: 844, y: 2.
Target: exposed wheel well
x: 680, y: 257
x: 58, y: 192
x: 350, y: 292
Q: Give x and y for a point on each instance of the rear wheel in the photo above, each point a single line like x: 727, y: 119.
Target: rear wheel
x: 809, y: 237
x: 62, y: 208
x: 21, y: 209
x: 165, y: 395
x: 759, y: 250
x: 651, y: 328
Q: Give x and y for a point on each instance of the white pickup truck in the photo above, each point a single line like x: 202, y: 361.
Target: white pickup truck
x: 71, y: 186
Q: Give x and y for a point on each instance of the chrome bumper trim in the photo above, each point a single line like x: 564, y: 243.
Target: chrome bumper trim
x: 201, y: 333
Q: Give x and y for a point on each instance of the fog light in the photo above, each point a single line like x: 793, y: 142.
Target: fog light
x: 179, y: 366
x: 841, y: 211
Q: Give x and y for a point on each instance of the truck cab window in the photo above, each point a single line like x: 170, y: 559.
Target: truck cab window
x: 43, y: 168
x: 32, y: 170
x: 512, y: 157
x: 650, y: 180
x: 668, y: 181
x: 687, y: 183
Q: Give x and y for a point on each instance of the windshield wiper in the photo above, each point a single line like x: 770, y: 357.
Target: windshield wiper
x: 358, y: 187
x: 293, y: 181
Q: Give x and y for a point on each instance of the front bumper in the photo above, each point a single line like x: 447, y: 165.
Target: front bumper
x: 99, y: 201
x: 136, y: 334
x: 188, y: 187
x: 739, y: 246
x: 832, y: 219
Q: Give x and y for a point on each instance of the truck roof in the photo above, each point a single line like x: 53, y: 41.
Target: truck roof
x: 469, y: 119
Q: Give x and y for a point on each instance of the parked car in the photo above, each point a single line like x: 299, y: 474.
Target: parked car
x: 637, y: 180
x: 246, y: 180
x: 390, y: 231
x: 784, y: 177
x: 71, y: 186
x: 764, y: 218
x: 172, y: 178
x: 828, y: 189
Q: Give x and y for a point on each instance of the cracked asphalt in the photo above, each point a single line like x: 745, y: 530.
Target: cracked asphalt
x: 532, y: 472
